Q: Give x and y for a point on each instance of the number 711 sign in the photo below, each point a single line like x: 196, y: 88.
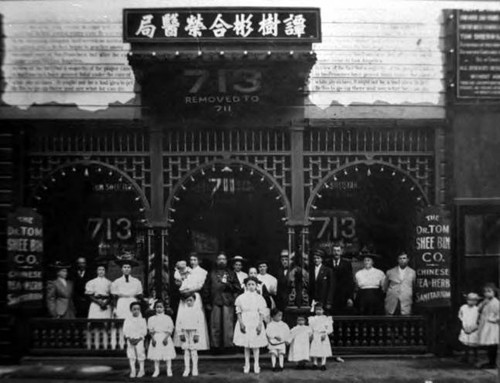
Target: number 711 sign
x: 329, y: 225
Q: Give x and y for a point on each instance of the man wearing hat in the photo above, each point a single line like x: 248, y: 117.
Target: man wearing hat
x: 125, y: 290
x: 237, y: 261
x: 80, y: 278
x: 60, y: 293
x: 399, y: 283
x: 369, y: 283
x: 322, y: 283
x: 283, y: 278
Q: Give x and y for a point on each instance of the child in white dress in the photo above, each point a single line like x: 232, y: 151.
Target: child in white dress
x: 321, y: 326
x: 277, y: 333
x: 135, y: 330
x: 161, y: 328
x: 488, y: 324
x: 249, y: 332
x: 189, y: 328
x: 469, y: 335
x: 300, y: 337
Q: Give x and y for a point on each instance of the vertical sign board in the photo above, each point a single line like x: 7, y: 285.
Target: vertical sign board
x: 25, y: 250
x: 433, y: 285
x: 478, y: 54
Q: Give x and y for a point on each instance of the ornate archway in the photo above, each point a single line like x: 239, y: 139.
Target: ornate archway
x: 92, y: 209
x: 369, y: 204
x: 229, y: 205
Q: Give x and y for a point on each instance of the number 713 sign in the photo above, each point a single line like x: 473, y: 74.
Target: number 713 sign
x: 329, y: 225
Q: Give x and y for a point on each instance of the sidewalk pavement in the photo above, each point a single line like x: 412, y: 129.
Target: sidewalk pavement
x: 356, y: 370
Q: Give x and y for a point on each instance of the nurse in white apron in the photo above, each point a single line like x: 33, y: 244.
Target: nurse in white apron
x: 126, y: 290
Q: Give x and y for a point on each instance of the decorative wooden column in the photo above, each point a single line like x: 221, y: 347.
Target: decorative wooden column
x: 297, y: 223
x: 157, y: 222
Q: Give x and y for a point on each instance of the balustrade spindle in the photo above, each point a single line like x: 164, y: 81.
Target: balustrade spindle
x: 381, y: 337
x: 364, y: 334
x: 349, y: 341
x: 340, y: 334
x: 404, y: 334
x: 356, y: 334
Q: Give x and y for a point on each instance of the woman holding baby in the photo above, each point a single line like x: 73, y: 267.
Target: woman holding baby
x: 190, y: 281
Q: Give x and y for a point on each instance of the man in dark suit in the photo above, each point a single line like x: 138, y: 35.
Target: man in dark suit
x: 344, y: 288
x: 322, y: 286
x: 80, y: 278
x: 283, y: 281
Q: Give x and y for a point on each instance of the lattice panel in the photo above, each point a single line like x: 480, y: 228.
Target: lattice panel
x: 408, y: 149
x: 268, y: 149
x: 369, y: 140
x: 126, y: 150
x: 266, y: 140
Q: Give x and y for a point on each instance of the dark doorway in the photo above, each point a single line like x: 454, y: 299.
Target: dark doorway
x: 232, y: 209
x: 370, y: 207
x: 90, y: 210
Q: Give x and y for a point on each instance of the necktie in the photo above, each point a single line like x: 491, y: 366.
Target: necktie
x: 126, y: 278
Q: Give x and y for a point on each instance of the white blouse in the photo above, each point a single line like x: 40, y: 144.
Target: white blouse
x: 98, y: 286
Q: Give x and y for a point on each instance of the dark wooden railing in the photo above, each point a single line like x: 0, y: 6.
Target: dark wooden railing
x: 380, y: 334
x: 352, y: 335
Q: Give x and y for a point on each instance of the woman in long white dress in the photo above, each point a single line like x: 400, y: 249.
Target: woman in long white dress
x: 192, y: 285
x: 99, y: 292
x: 249, y: 332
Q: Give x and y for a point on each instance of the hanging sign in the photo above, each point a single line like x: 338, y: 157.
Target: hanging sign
x: 478, y: 54
x: 181, y: 25
x: 432, y: 256
x: 25, y: 250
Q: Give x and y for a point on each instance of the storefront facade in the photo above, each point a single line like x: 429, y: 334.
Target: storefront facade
x: 247, y: 146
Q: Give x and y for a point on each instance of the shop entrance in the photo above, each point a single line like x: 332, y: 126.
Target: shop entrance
x: 369, y: 207
x: 91, y: 210
x: 230, y: 207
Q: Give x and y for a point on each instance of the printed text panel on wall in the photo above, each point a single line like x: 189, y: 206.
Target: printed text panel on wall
x: 478, y: 54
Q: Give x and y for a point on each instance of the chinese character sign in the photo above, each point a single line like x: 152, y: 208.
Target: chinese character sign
x: 212, y: 24
x: 25, y: 250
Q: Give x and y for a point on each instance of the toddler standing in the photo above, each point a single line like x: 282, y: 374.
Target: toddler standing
x: 277, y: 333
x: 134, y: 331
x: 321, y: 327
x: 300, y: 336
x: 161, y: 327
x: 469, y: 315
x: 488, y: 324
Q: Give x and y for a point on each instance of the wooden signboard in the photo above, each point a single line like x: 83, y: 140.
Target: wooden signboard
x: 433, y: 257
x: 25, y: 250
x: 478, y: 54
x: 194, y: 25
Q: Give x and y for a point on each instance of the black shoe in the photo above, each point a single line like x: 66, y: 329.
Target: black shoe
x: 323, y: 368
x: 314, y: 367
x: 280, y: 368
x: 275, y: 369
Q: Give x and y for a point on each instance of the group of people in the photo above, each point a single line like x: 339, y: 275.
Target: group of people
x: 228, y: 307
x: 480, y: 325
